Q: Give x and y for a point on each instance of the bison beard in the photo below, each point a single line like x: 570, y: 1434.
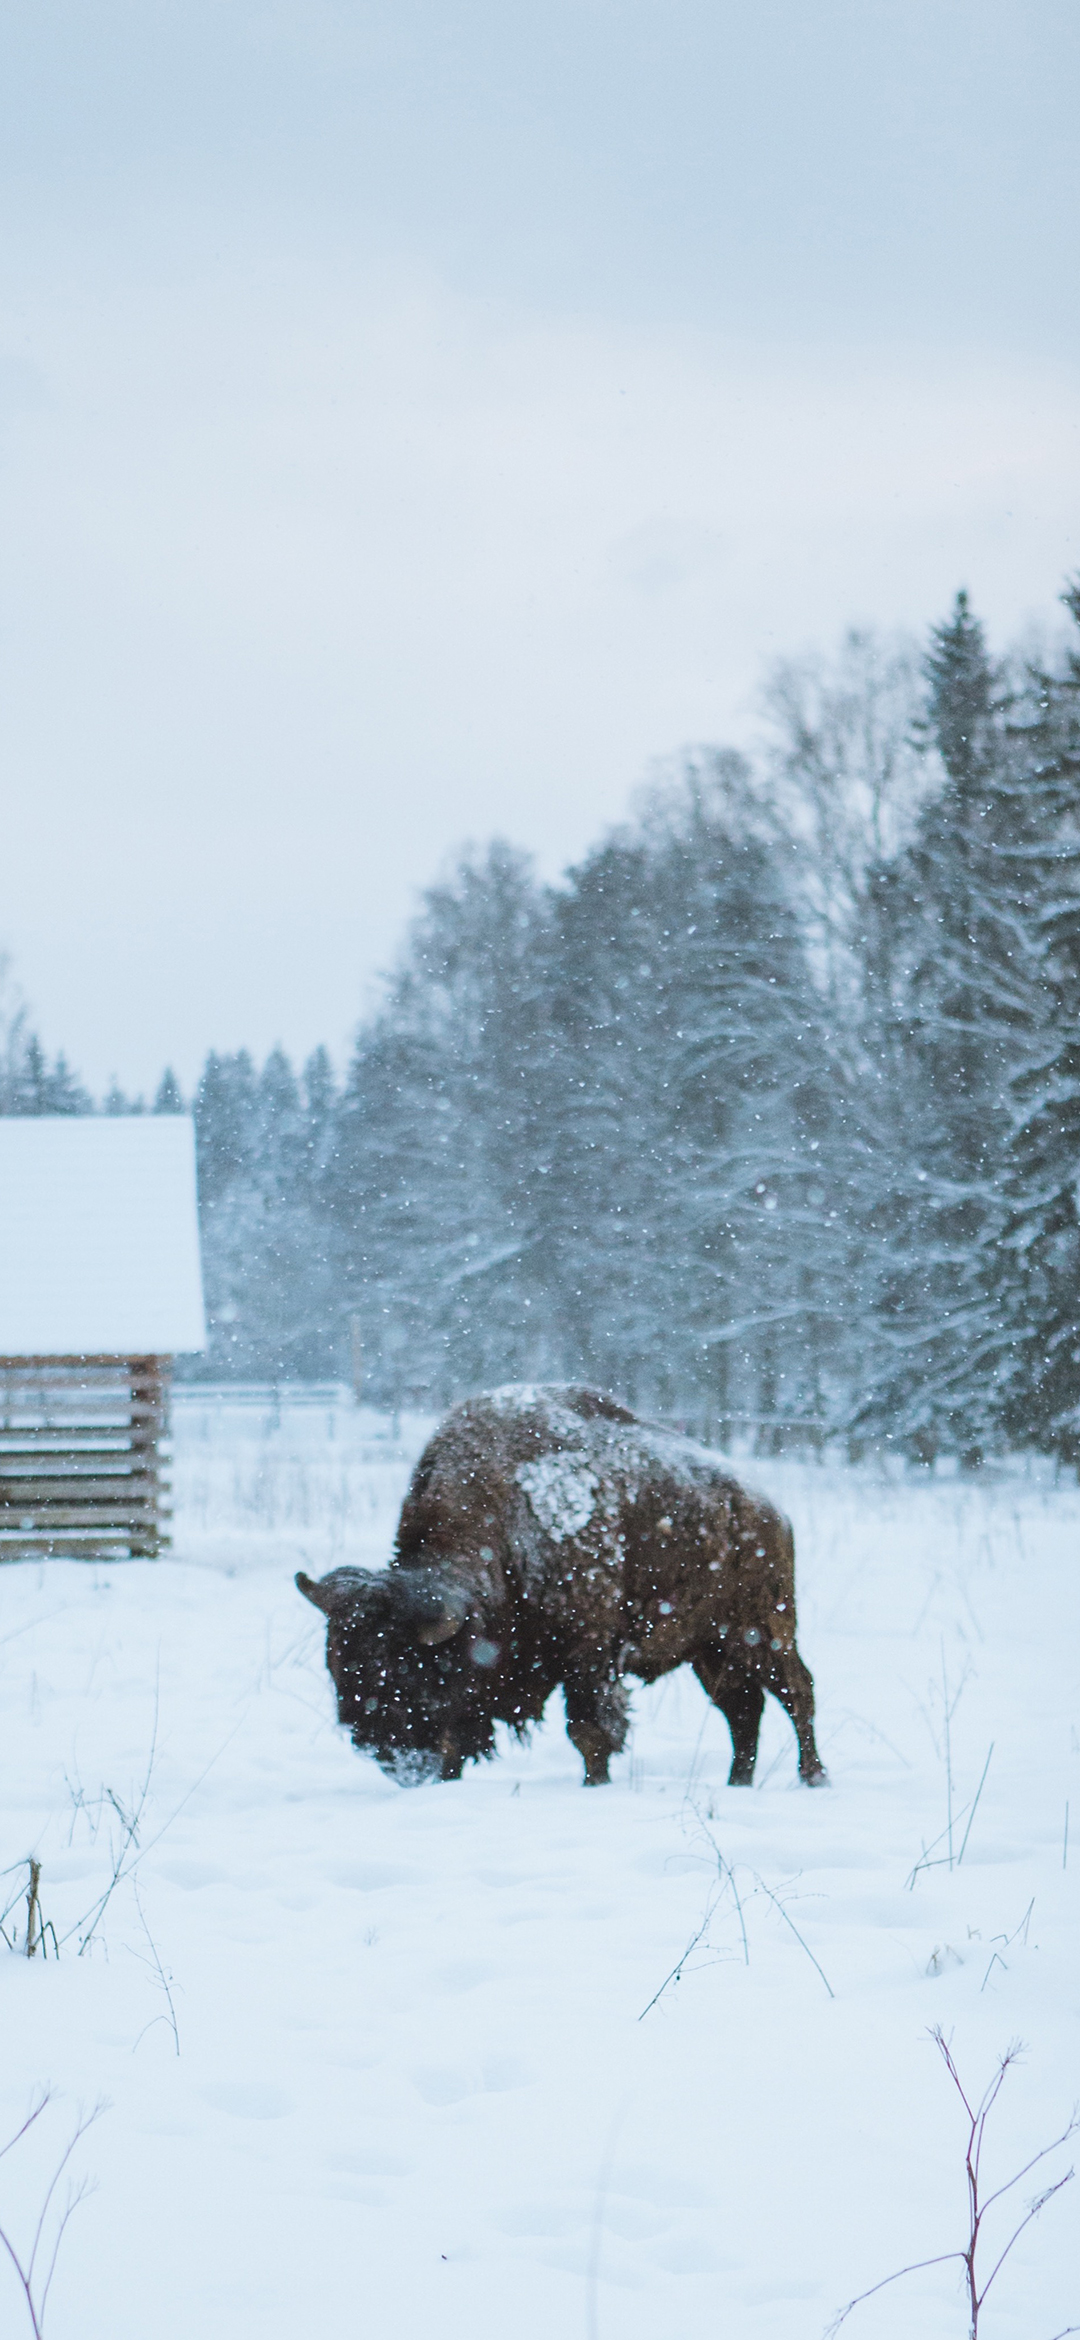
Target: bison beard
x: 549, y: 1537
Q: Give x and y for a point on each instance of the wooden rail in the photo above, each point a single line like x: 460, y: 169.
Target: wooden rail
x: 81, y: 1468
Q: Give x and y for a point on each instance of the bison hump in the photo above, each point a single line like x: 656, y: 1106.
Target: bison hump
x: 593, y: 1405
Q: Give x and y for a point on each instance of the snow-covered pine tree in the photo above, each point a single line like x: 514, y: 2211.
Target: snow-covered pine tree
x: 577, y: 1139
x: 1039, y: 1258
x: 224, y: 1109
x: 439, y: 1148
x: 612, y: 1296
x: 168, y: 1096
x: 29, y: 1083
x: 682, y: 1145
x: 845, y: 783
x: 280, y: 1254
x: 963, y: 996
x: 268, y: 1250
x: 43, y: 1087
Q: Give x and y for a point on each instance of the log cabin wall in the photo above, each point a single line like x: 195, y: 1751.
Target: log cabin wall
x: 82, y: 1472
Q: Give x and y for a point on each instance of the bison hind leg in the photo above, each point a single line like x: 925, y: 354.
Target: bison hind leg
x: 741, y: 1701
x: 597, y: 1715
x: 792, y: 1684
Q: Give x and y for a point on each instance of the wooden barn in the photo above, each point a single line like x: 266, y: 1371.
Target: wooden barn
x: 100, y: 1288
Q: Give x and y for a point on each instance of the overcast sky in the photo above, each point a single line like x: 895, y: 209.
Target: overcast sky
x: 416, y: 417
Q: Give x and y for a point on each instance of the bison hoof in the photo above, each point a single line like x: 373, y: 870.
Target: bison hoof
x: 817, y: 1777
x: 741, y: 1775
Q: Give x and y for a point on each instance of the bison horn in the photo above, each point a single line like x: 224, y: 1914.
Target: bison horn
x: 321, y: 1594
x: 338, y: 1591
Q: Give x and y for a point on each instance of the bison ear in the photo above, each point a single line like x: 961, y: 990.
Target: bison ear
x: 442, y: 1628
x: 436, y: 1610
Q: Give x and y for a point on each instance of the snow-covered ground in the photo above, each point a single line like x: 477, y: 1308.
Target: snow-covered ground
x: 402, y: 2081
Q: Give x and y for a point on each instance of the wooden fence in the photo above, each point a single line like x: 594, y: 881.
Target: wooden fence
x: 81, y: 1467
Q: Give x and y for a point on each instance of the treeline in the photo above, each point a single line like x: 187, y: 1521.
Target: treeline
x: 767, y: 1113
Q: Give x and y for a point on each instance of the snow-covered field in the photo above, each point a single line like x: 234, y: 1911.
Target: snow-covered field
x: 400, y: 2080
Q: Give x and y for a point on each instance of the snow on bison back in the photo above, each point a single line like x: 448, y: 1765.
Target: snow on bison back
x: 549, y: 1537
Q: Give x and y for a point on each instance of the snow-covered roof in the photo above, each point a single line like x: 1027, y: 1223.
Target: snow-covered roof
x: 99, y: 1236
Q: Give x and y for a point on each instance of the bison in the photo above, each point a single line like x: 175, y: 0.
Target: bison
x: 548, y: 1536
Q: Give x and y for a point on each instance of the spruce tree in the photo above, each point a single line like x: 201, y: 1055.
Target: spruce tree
x: 438, y: 1160
x: 168, y: 1096
x: 50, y: 1088
x: 268, y: 1248
x: 1039, y: 1261
x: 963, y: 996
x: 224, y: 1109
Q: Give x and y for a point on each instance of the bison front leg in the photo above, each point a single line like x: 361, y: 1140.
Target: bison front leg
x: 597, y: 1711
x: 741, y: 1701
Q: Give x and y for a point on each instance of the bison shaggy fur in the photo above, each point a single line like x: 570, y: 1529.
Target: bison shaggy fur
x: 550, y: 1537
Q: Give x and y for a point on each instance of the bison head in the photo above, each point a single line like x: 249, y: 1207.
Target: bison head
x: 402, y: 1667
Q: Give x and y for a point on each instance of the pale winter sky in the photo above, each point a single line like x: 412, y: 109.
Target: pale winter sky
x: 416, y: 417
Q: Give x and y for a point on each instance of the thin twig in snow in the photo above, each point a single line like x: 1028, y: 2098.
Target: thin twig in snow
x: 975, y: 1805
x: 127, y: 1867
x: 978, y: 2204
x: 924, y: 1861
x: 677, y: 1970
x: 129, y: 1836
x: 726, y: 1877
x: 916, y: 2267
x: 161, y: 1975
x: 1006, y: 1941
x: 25, y: 2273
x: 948, y: 1746
x: 789, y: 1921
x: 726, y: 1872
